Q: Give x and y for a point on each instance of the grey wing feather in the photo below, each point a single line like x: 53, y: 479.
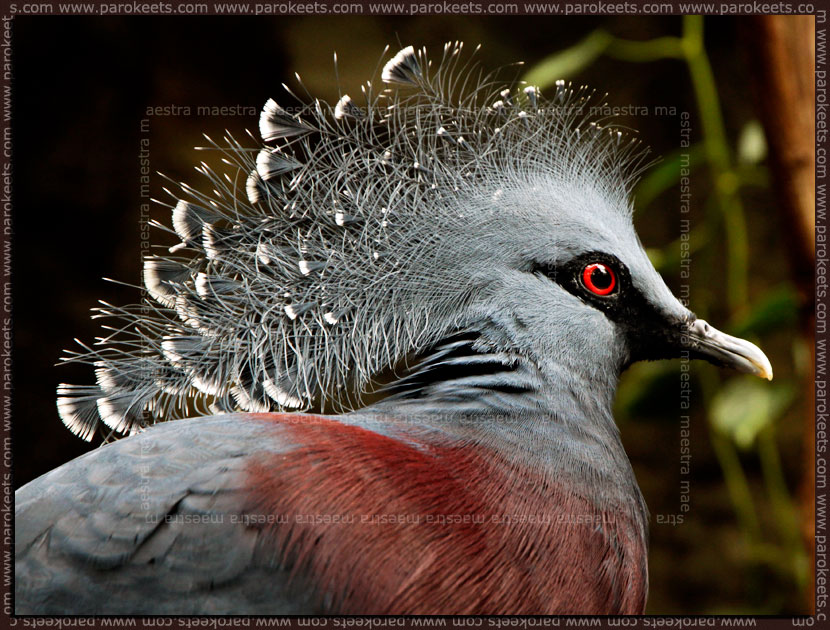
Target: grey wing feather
x: 151, y: 525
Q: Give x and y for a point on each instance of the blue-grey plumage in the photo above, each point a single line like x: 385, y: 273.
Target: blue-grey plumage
x: 152, y: 525
x: 474, y: 241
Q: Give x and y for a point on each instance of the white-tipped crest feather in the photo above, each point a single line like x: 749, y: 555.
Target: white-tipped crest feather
x: 332, y: 261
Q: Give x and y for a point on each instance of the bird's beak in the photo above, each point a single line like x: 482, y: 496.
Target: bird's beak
x: 707, y: 342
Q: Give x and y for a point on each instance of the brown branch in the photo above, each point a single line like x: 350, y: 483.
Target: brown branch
x: 783, y: 66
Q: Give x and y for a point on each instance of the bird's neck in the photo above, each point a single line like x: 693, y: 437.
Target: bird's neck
x: 558, y: 420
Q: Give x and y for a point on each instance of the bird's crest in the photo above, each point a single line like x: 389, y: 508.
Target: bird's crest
x: 325, y: 257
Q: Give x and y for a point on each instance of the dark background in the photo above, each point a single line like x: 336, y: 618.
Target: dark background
x: 81, y: 87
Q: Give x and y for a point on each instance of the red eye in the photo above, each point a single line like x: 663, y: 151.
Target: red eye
x: 599, y: 279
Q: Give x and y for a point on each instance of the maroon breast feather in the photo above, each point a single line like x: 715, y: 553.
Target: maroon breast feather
x: 417, y: 524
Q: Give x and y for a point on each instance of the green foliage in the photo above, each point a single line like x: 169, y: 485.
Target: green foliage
x: 664, y: 175
x: 745, y: 406
x: 775, y: 310
x: 752, y: 143
x: 568, y: 62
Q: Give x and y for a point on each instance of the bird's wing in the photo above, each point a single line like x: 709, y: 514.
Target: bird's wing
x: 154, y: 524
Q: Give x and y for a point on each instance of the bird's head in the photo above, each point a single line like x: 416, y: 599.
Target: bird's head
x: 558, y: 274
x: 370, y: 232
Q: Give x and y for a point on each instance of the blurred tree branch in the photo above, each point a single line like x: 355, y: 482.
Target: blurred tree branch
x: 783, y: 59
x: 783, y: 64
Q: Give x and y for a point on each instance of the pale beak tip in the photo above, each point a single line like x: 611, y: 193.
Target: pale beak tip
x: 730, y: 351
x: 761, y: 362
